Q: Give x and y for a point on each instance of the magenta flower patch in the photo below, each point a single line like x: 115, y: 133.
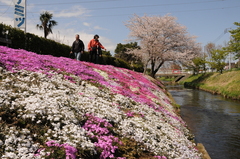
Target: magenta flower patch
x: 69, y: 150
x: 105, y: 140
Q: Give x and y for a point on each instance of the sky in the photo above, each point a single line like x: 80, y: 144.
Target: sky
x: 206, y: 19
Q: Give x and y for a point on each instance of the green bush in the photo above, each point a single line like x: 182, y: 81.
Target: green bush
x: 31, y: 42
x: 138, y: 67
x: 121, y: 63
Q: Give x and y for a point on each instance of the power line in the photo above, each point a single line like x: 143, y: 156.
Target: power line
x: 152, y: 5
x: 64, y: 3
x: 169, y: 11
x: 112, y: 15
x: 142, y: 6
x: 137, y: 6
x: 223, y: 33
x: 195, y: 10
x: 6, y: 9
x: 219, y: 37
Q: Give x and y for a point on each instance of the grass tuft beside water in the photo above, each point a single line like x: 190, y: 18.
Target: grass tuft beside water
x: 226, y: 84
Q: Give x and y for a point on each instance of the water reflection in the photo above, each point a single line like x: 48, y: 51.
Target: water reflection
x: 215, y: 121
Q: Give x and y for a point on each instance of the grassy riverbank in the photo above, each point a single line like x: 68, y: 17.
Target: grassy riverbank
x: 226, y: 84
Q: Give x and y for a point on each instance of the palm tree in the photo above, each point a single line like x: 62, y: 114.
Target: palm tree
x: 46, y: 23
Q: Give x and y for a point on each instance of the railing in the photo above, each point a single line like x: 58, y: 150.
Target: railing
x: 174, y: 72
x: 5, y: 40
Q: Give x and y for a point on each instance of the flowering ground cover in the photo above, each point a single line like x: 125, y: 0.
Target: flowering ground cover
x: 61, y: 108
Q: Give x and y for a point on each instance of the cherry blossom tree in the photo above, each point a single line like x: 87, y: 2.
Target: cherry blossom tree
x: 161, y: 39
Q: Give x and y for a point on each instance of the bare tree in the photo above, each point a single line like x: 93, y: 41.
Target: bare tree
x: 161, y: 39
x: 208, y: 48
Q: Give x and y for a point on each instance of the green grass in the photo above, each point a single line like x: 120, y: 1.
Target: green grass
x: 226, y: 84
x: 166, y: 79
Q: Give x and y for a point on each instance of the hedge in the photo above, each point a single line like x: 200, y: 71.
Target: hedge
x: 31, y: 42
x: 40, y: 45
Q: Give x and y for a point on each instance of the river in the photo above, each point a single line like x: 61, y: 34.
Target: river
x: 213, y: 120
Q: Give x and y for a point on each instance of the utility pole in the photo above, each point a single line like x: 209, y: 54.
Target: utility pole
x: 25, y: 29
x: 25, y: 24
x: 229, y: 61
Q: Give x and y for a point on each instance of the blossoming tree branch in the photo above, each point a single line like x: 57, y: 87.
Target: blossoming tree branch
x: 161, y: 39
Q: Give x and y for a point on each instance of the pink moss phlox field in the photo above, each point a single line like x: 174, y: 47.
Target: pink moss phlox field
x: 129, y: 83
x: 95, y: 96
x: 127, y: 80
x: 23, y: 60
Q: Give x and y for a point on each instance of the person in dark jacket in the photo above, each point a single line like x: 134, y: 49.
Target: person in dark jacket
x: 77, y: 48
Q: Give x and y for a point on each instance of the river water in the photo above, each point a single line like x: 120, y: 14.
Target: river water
x: 213, y: 120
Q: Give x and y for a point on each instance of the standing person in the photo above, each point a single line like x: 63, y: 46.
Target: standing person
x: 77, y: 48
x: 94, y: 48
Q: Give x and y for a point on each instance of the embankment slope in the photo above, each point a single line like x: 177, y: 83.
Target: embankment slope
x: 58, y: 107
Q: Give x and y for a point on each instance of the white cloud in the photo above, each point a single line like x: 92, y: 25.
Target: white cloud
x: 86, y: 24
x: 108, y: 44
x: 6, y: 5
x: 75, y: 11
x: 31, y: 7
x: 7, y: 20
x: 7, y: 2
x: 99, y: 28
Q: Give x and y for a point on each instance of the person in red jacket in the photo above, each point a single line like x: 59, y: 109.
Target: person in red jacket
x: 95, y: 49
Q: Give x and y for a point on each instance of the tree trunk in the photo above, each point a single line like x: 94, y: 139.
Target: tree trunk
x: 152, y: 68
x: 239, y: 62
x: 204, y: 68
x: 154, y: 71
x: 145, y: 67
x: 145, y: 70
x: 197, y: 70
x: 45, y: 33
